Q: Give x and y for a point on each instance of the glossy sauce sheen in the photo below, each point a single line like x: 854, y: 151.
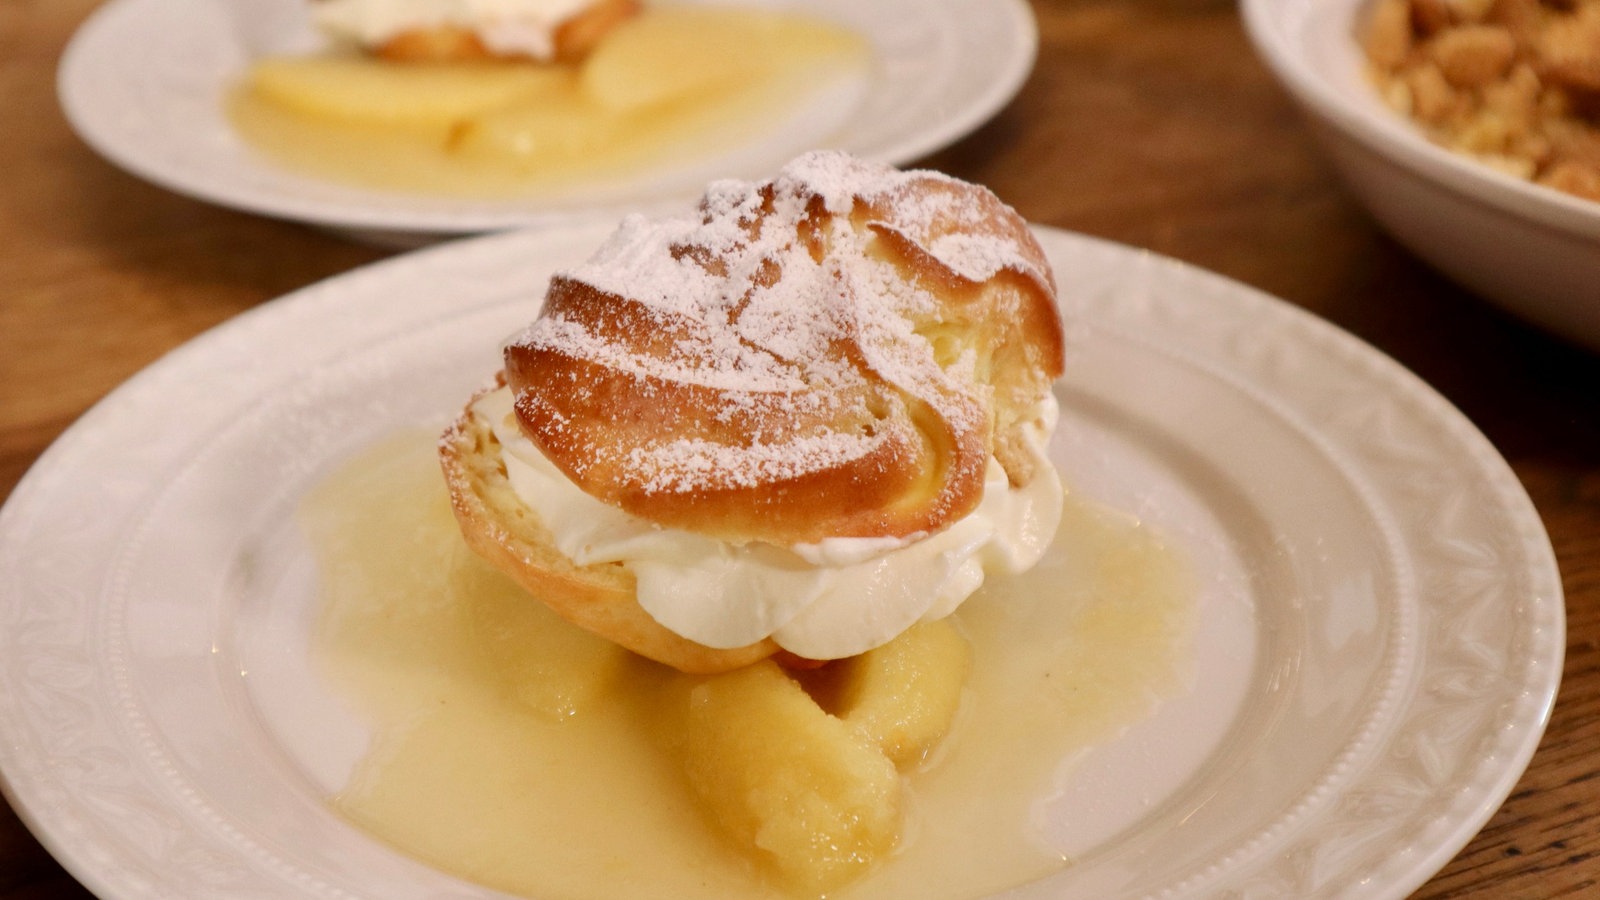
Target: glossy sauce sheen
x: 754, y: 66
x: 489, y: 764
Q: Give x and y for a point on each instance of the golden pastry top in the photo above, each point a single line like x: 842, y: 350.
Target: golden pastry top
x: 836, y: 352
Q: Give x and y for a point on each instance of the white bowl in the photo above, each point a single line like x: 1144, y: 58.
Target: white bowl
x: 1531, y: 249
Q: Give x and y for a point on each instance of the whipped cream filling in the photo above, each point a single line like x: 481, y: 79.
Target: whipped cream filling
x: 828, y: 600
x: 505, y: 26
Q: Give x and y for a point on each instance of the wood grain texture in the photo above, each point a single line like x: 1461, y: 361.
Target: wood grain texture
x: 1148, y: 122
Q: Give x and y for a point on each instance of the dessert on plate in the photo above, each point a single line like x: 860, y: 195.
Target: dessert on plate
x: 500, y: 98
x: 748, y: 566
x: 803, y: 418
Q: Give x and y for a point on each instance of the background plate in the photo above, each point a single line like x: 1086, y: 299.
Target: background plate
x: 143, y: 82
x: 1381, y: 637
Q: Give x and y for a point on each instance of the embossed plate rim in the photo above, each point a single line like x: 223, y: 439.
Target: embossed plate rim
x: 74, y: 759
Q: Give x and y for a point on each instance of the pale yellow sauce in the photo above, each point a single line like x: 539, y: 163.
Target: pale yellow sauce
x: 441, y: 656
x: 692, y: 82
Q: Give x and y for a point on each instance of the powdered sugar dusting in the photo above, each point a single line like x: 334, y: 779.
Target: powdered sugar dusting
x: 705, y: 464
x: 781, y: 295
x: 974, y: 257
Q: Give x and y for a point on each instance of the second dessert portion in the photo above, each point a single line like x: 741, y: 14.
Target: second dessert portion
x: 503, y: 100
x: 806, y: 417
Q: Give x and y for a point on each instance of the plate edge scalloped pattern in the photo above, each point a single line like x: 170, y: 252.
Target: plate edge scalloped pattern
x: 1296, y: 872
x: 1398, y: 663
x: 1340, y: 853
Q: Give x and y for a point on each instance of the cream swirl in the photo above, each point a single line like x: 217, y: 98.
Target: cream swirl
x: 825, y: 600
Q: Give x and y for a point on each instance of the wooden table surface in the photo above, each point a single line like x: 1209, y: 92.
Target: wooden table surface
x: 1148, y: 122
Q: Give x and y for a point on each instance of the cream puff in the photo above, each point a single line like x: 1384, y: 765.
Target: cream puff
x: 804, y: 417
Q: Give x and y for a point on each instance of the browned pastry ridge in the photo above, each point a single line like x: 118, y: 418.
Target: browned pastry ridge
x: 837, y: 352
x: 573, y: 39
x: 498, y: 526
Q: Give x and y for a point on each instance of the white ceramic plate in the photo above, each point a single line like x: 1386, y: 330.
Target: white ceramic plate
x: 1382, y: 622
x: 143, y: 82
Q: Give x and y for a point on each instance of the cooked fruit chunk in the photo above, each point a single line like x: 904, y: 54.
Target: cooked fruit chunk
x: 560, y: 126
x: 808, y: 792
x: 360, y: 91
x: 904, y: 694
x: 677, y: 52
